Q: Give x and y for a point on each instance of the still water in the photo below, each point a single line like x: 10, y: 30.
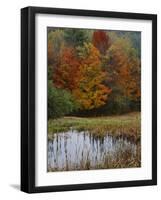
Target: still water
x: 74, y: 150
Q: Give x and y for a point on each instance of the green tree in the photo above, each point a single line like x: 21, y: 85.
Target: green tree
x: 60, y: 102
x: 76, y: 37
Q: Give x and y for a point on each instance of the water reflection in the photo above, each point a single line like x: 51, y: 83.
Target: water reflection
x: 81, y: 150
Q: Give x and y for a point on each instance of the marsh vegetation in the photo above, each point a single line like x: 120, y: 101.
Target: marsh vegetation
x: 76, y: 143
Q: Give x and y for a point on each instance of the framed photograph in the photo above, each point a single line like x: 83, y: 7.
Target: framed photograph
x: 88, y: 99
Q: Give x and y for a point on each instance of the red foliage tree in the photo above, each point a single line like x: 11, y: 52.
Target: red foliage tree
x: 101, y: 41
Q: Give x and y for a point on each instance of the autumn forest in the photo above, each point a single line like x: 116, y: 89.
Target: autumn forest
x: 94, y: 98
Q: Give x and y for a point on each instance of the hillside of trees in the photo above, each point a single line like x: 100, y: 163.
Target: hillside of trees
x: 93, y: 72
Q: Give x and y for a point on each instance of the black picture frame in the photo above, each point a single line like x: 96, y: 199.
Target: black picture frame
x: 28, y: 98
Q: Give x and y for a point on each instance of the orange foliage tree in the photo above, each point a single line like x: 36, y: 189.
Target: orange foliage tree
x: 124, y: 69
x: 91, y: 92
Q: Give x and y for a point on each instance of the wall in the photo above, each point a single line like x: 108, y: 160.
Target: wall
x: 10, y: 98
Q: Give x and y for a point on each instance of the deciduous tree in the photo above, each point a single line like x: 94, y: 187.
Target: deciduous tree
x: 101, y: 41
x: 66, y: 74
x: 91, y: 93
x: 123, y: 67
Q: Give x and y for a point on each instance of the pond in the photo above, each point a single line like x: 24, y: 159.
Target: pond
x: 75, y: 150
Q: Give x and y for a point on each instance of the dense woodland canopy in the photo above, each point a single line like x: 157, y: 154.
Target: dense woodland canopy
x: 93, y: 72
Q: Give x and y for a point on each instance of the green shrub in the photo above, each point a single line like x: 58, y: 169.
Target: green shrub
x: 60, y: 102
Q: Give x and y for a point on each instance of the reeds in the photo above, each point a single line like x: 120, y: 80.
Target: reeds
x: 121, y: 159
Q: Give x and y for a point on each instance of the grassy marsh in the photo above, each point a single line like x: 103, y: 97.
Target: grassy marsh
x: 128, y: 125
